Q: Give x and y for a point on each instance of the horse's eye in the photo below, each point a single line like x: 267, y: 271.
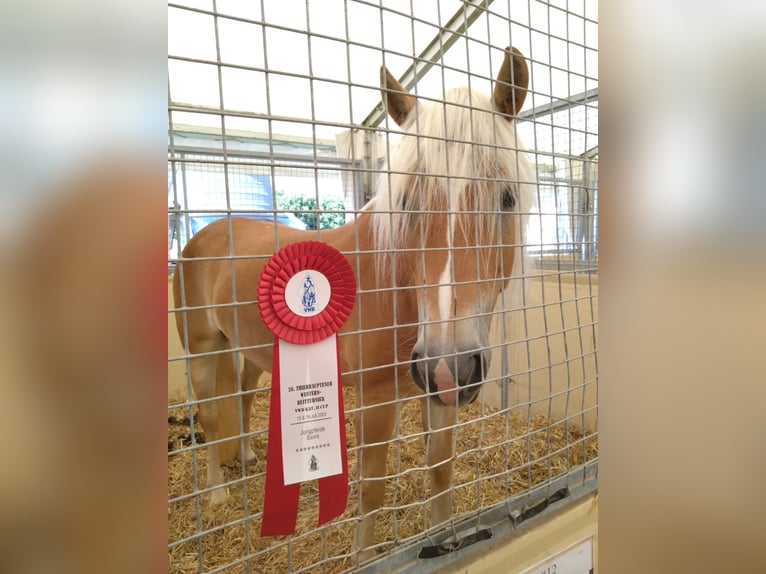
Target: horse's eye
x: 508, y: 199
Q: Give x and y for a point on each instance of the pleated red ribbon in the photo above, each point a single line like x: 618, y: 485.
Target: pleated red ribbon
x: 280, y: 508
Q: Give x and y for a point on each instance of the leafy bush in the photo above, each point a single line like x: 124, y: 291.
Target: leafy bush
x: 331, y: 212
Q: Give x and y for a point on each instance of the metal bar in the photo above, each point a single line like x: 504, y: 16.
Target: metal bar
x: 452, y: 30
x: 405, y: 559
x: 301, y: 161
x: 559, y: 105
x: 545, y: 109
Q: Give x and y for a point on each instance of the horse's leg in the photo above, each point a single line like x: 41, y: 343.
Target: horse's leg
x: 250, y: 375
x: 374, y: 428
x: 203, y: 374
x: 437, y: 423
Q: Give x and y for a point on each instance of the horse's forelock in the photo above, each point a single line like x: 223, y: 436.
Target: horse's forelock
x: 454, y: 155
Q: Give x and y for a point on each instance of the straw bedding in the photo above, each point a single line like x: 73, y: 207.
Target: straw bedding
x: 497, y: 455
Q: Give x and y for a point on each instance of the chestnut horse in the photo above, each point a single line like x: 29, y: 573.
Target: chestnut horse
x: 432, y: 251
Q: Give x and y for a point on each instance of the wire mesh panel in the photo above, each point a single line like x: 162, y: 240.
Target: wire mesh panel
x: 204, y: 187
x: 277, y: 134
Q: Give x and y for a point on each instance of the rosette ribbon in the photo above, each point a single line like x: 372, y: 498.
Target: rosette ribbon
x: 306, y: 293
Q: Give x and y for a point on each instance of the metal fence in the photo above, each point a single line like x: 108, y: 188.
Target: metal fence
x: 565, y: 136
x: 279, y: 99
x: 204, y: 186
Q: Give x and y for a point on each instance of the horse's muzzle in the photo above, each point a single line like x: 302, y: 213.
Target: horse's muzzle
x: 438, y: 376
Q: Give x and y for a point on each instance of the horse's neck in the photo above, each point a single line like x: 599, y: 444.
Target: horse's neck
x: 375, y: 272
x: 379, y: 305
x: 351, y: 237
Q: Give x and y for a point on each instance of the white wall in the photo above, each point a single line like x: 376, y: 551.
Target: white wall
x: 555, y: 374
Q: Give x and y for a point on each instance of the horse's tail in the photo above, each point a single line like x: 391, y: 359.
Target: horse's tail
x: 202, y: 336
x: 228, y: 408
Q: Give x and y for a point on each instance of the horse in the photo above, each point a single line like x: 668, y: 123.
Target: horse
x: 432, y: 251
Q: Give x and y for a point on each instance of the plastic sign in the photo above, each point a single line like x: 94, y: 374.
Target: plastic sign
x: 577, y: 559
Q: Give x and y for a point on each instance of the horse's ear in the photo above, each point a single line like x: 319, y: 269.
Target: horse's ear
x: 398, y: 102
x: 512, y: 82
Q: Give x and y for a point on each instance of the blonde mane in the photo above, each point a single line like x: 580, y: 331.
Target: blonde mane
x: 454, y: 147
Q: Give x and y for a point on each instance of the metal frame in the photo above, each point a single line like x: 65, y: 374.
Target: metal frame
x: 502, y: 517
x: 586, y: 261
x: 256, y: 160
x: 580, y: 99
x: 502, y: 521
x: 449, y: 34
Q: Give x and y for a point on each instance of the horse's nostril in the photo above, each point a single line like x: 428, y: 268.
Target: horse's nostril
x: 480, y: 365
x: 478, y: 369
x: 416, y: 369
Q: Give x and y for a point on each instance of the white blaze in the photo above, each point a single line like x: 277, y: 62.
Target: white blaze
x: 446, y: 283
x: 445, y: 291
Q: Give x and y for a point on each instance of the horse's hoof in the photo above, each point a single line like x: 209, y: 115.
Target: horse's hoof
x: 219, y: 496
x: 250, y: 456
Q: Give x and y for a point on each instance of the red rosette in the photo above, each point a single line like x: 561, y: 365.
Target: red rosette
x: 282, y: 266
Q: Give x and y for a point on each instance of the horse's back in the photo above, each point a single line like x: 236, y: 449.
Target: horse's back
x: 200, y: 267
x: 249, y: 237
x: 205, y: 272
x: 208, y: 254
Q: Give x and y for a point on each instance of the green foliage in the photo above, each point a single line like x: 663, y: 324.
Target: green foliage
x: 329, y: 215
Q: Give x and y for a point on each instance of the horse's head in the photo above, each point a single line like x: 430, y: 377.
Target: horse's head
x: 450, y: 207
